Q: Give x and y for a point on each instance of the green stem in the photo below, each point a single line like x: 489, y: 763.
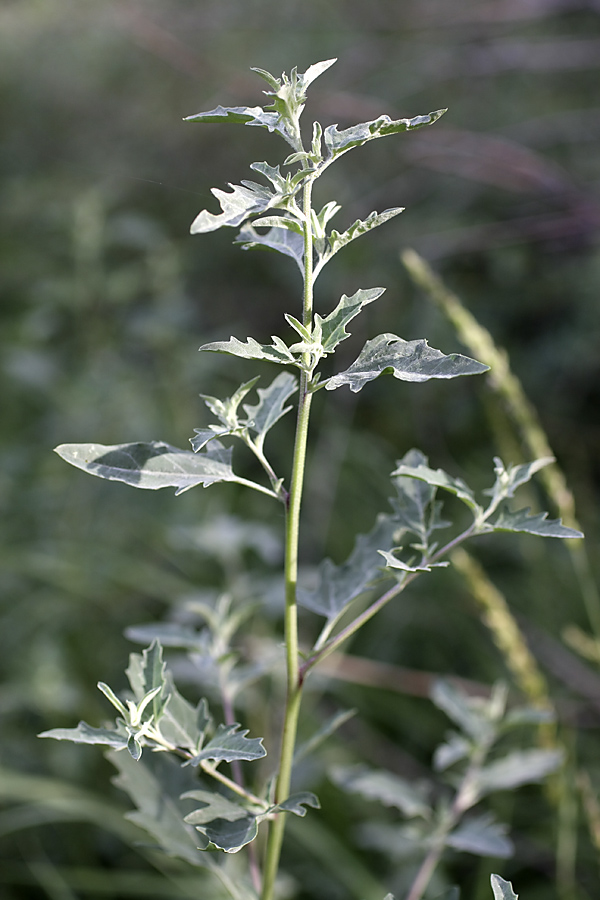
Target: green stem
x: 294, y: 680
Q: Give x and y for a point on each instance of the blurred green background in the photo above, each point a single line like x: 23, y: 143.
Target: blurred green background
x: 105, y: 298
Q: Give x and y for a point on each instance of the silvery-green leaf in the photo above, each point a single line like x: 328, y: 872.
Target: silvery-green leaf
x: 271, y: 404
x: 182, y: 724
x: 155, y: 785
x: 517, y: 768
x: 227, y: 410
x: 170, y: 634
x: 392, y: 562
x: 503, y: 890
x: 482, y: 836
x: 282, y: 240
x: 405, y: 360
x: 528, y: 715
x: 339, y: 585
x: 153, y: 465
x: 414, y: 504
x: 224, y: 823
x: 236, y: 206
x: 509, y: 479
x: 414, y: 468
x: 333, y: 326
x: 538, y: 524
x: 276, y: 352
x: 277, y: 222
x: 338, y: 142
x: 86, y: 734
x: 453, y: 750
x: 461, y: 708
x: 228, y: 744
x: 386, y: 787
x: 240, y: 115
x: 373, y: 220
x: 297, y: 803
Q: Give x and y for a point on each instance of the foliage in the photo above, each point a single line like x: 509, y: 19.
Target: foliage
x: 397, y: 551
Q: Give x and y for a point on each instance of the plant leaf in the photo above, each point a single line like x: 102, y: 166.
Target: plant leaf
x: 517, y: 768
x: 406, y: 360
x: 277, y: 352
x: 503, y: 890
x: 228, y: 744
x: 153, y: 465
x: 224, y: 823
x: 236, y: 206
x: 482, y: 836
x: 414, y: 468
x: 86, y: 734
x: 282, y: 240
x: 339, y: 585
x: 271, y: 405
x: 297, y: 803
x: 358, y: 228
x: 460, y: 708
x: 532, y: 524
x: 392, y: 562
x: 333, y: 328
x: 413, y: 505
x: 509, y: 479
x: 338, y: 142
x: 455, y: 748
x: 155, y: 785
x: 182, y: 724
x: 239, y: 115
x: 386, y: 787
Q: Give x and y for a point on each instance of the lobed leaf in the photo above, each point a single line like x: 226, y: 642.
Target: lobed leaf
x: 221, y: 822
x: 461, y: 708
x: 338, y: 142
x: 229, y: 744
x: 155, y: 785
x: 333, y: 326
x: 386, y: 787
x: 517, y: 768
x: 503, y: 890
x: 482, y: 836
x: 532, y: 524
x: 406, y: 360
x: 337, y: 241
x: 153, y: 465
x: 282, y: 240
x: 236, y: 206
x: 271, y: 404
x: 415, y: 468
x: 455, y: 749
x: 297, y: 803
x: 277, y: 352
x: 86, y: 734
x: 182, y: 724
x: 339, y: 585
x: 414, y: 505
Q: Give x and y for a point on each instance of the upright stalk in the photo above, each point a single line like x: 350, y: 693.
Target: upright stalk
x: 292, y: 532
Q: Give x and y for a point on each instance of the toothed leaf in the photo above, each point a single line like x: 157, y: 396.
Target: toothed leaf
x: 297, y: 803
x: 224, y: 823
x: 333, y: 326
x: 228, y: 744
x: 482, y: 836
x: 437, y: 478
x: 503, y: 890
x: 339, y: 585
x: 533, y: 524
x: 282, y: 240
x: 406, y: 360
x: 517, y: 768
x: 338, y: 142
x: 385, y: 787
x: 338, y: 240
x: 153, y: 465
x: 277, y: 352
x: 271, y: 405
x: 155, y: 785
x: 86, y: 734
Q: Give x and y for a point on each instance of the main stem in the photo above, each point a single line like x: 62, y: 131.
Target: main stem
x: 292, y: 531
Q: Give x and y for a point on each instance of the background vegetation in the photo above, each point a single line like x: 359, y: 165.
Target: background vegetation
x: 105, y: 299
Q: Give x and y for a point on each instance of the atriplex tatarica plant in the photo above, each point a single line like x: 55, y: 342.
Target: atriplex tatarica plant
x: 186, y: 798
